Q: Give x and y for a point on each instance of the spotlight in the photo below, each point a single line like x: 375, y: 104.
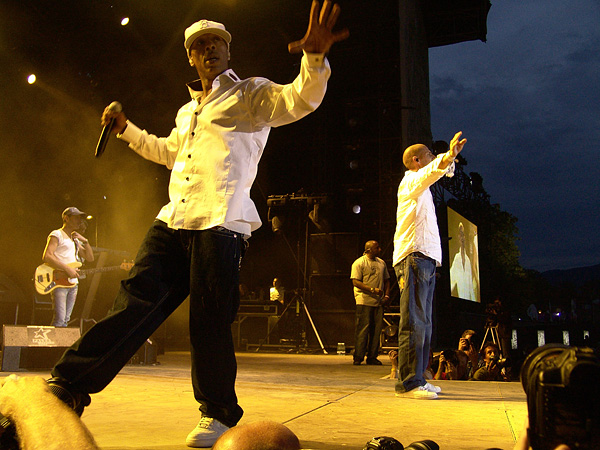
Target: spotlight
x: 124, y: 21
x: 356, y: 209
x: 277, y: 223
x: 31, y: 78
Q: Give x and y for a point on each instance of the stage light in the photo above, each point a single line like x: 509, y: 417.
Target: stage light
x: 31, y: 79
x: 277, y: 223
x: 124, y: 21
x: 356, y: 209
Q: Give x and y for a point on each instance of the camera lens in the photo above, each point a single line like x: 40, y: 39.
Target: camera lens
x: 423, y: 445
x: 383, y: 443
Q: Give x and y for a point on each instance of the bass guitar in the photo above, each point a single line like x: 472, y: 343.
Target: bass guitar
x: 47, y: 278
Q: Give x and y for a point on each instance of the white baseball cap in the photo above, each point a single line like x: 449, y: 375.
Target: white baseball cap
x: 73, y: 211
x: 202, y: 27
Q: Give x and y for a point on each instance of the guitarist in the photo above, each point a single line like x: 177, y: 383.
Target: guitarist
x: 67, y: 245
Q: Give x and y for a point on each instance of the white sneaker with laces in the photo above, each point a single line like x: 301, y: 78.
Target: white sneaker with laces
x: 206, y: 433
x: 431, y: 388
x: 420, y: 393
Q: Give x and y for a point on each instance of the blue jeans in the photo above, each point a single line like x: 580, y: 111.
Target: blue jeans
x: 170, y: 265
x: 64, y: 301
x: 369, y: 320
x: 416, y: 278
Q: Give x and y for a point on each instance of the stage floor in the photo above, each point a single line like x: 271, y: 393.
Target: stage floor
x: 324, y: 399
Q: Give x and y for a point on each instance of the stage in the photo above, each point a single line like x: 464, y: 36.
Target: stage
x: 324, y: 399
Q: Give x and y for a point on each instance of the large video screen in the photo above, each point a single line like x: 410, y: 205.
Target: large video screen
x: 464, y: 258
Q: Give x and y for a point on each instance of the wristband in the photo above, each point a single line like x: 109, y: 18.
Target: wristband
x: 123, y: 130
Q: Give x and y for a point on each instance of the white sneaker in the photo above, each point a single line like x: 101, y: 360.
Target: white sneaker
x: 431, y: 388
x: 420, y: 393
x: 206, y: 433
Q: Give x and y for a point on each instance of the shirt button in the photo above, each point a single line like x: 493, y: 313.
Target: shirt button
x: 196, y: 113
x: 187, y: 178
x: 193, y: 134
x: 190, y: 156
x: 183, y: 200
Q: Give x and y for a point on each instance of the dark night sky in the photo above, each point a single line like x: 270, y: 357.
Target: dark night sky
x: 526, y: 100
x: 529, y: 104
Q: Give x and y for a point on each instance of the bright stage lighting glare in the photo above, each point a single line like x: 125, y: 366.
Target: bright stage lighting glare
x: 124, y: 21
x: 356, y: 209
x: 31, y: 79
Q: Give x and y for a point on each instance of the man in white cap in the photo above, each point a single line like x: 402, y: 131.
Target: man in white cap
x: 63, y: 247
x: 196, y: 243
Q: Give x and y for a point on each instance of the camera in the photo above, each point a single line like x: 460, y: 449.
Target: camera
x: 562, y: 388
x: 501, y: 362
x: 450, y: 356
x: 389, y: 443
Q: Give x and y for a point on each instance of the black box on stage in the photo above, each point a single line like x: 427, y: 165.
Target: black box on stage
x: 147, y: 354
x: 34, y: 347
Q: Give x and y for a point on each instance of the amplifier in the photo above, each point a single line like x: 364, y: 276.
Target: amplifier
x: 258, y: 308
x: 34, y: 347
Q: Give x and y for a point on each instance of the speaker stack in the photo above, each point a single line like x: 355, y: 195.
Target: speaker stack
x: 332, y: 303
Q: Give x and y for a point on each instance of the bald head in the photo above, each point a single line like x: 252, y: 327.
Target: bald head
x: 263, y: 435
x: 370, y: 244
x: 413, y: 154
x: 372, y: 249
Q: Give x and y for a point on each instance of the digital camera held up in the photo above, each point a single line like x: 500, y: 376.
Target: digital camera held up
x: 563, y: 389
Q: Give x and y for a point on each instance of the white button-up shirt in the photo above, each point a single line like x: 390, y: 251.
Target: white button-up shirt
x: 416, y: 222
x: 214, y: 149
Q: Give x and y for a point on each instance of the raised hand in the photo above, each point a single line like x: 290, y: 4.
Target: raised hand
x: 456, y: 145
x: 320, y: 36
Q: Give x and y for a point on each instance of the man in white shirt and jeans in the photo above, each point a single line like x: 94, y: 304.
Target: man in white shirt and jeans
x: 417, y: 252
x: 195, y: 245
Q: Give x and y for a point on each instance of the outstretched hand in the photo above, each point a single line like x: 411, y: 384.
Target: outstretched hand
x: 320, y: 36
x: 456, y: 145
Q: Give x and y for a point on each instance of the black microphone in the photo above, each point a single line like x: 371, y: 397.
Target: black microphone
x: 115, y: 107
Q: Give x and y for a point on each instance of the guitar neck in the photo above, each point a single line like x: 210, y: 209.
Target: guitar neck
x: 98, y: 269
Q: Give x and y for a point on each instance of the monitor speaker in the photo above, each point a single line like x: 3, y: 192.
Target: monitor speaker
x: 34, y: 347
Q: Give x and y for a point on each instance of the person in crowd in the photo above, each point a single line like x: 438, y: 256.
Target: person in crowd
x: 65, y: 247
x: 491, y: 370
x: 467, y: 344
x: 417, y: 253
x: 447, y: 367
x: 371, y: 282
x: 195, y: 245
x: 277, y: 291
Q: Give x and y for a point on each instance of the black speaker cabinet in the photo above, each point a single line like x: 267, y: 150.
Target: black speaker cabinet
x: 332, y: 293
x: 333, y: 253
x: 146, y: 354
x: 34, y: 347
x: 333, y: 309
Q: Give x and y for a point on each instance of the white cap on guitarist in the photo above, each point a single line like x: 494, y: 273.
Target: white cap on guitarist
x: 72, y: 211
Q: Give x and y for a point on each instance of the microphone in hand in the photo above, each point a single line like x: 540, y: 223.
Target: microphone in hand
x: 115, y: 107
